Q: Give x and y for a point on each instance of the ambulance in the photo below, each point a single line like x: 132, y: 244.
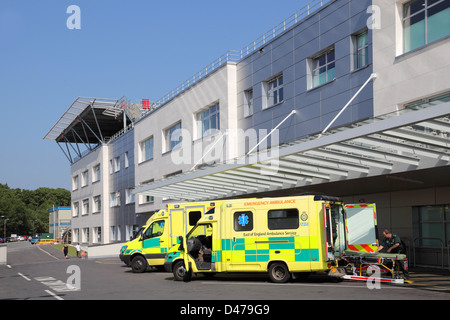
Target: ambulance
x: 284, y: 237
x: 160, y: 233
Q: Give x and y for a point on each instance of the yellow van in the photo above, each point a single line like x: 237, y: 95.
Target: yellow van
x: 160, y: 233
x: 281, y: 236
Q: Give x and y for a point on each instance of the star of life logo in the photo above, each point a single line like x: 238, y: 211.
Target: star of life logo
x: 243, y: 220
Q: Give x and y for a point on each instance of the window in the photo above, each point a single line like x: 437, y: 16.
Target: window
x: 425, y: 21
x: 85, y: 178
x: 75, y: 183
x: 433, y: 224
x: 172, y: 137
x: 283, y: 219
x: 323, y: 68
x: 114, y: 199
x: 127, y: 164
x: 147, y: 199
x: 76, y: 235
x: 194, y: 216
x: 97, y: 235
x: 274, y: 91
x: 248, y: 102
x: 146, y: 150
x: 112, y: 233
x: 361, y: 45
x: 97, y: 204
x: 208, y: 121
x: 116, y: 164
x: 85, y: 207
x: 156, y: 229
x: 76, y: 209
x: 243, y: 221
x: 428, y: 102
x: 96, y: 173
x: 85, y: 235
x: 129, y: 196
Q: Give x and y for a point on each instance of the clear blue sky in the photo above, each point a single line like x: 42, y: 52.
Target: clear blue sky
x: 138, y: 49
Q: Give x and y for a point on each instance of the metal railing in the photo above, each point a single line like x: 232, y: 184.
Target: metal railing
x: 236, y: 55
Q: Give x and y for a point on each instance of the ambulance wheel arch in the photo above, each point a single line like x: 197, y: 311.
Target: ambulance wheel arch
x: 279, y: 272
x: 178, y: 269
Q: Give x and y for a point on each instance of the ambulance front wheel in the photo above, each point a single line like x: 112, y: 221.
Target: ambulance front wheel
x: 279, y: 272
x: 138, y: 264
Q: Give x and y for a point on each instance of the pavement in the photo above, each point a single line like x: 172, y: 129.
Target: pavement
x: 430, y: 279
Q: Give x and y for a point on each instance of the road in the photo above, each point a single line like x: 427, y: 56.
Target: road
x: 41, y: 273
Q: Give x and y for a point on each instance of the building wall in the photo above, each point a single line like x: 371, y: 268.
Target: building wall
x: 218, y: 87
x: 119, y: 217
x: 291, y: 55
x: 89, y: 220
x: 405, y: 77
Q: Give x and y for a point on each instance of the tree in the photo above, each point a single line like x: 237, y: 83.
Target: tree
x: 27, y: 210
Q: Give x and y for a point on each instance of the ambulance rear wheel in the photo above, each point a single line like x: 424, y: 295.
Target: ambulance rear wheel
x: 279, y: 272
x: 138, y: 264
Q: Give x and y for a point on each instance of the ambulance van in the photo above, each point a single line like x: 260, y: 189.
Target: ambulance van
x: 282, y: 236
x: 160, y: 233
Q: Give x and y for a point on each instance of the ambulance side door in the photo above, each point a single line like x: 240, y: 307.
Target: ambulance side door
x: 153, y: 238
x: 361, y: 227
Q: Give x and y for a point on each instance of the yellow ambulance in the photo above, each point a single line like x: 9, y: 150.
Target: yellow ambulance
x: 160, y: 233
x: 282, y: 236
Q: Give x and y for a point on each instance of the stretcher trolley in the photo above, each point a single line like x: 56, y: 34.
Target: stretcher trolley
x: 371, y: 266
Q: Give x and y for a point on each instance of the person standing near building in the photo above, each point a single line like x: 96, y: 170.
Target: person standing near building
x: 66, y: 251
x: 78, y: 247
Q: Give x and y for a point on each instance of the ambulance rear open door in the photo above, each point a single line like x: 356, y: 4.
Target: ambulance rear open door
x: 361, y: 227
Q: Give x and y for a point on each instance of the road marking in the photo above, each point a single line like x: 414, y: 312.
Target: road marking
x: 56, y: 285
x: 54, y: 295
x: 47, y: 253
x: 26, y: 278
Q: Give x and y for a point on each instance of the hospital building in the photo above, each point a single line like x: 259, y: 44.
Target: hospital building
x: 347, y: 98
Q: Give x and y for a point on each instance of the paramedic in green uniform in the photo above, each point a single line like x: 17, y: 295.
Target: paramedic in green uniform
x: 393, y: 244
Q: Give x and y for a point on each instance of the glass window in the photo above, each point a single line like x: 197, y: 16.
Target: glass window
x: 96, y: 173
x: 362, y: 50
x: 434, y: 225
x: 156, y: 229
x: 283, y: 219
x: 116, y: 164
x: 208, y: 121
x: 97, y: 203
x: 323, y: 68
x: 85, y: 206
x: 248, y: 102
x: 194, y: 216
x: 173, y: 136
x: 243, y: 221
x: 275, y: 92
x: 425, y: 21
x: 146, y: 149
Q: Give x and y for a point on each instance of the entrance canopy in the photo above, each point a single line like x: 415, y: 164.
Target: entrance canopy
x: 405, y: 141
